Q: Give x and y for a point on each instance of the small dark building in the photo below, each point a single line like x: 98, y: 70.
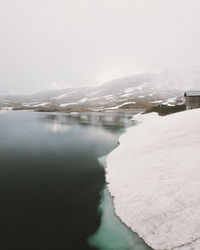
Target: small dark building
x: 192, y: 99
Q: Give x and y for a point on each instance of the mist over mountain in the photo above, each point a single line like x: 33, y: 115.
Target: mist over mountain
x: 136, y: 91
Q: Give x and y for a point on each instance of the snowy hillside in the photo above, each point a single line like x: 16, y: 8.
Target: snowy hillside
x: 154, y: 178
x: 139, y: 91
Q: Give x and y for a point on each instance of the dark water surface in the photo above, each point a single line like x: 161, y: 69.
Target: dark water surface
x: 50, y: 178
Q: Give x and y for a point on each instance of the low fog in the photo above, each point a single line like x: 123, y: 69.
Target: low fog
x: 55, y: 44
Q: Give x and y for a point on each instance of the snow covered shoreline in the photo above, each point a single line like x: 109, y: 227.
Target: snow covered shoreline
x: 154, y: 178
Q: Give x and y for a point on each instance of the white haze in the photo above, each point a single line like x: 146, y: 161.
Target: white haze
x: 48, y: 44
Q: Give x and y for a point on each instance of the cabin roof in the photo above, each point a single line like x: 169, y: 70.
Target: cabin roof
x: 192, y: 93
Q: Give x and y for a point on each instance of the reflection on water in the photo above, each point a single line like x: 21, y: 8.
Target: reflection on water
x: 112, y: 120
x: 50, y: 178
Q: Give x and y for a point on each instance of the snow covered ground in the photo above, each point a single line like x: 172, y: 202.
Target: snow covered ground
x: 121, y: 105
x: 67, y: 104
x: 154, y: 176
x: 112, y: 234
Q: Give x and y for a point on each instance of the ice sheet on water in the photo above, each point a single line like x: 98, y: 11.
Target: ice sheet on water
x: 112, y: 233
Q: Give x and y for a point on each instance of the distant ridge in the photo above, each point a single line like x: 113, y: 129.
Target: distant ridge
x: 141, y: 90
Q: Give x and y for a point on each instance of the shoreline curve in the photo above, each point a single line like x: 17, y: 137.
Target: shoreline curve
x: 153, y: 177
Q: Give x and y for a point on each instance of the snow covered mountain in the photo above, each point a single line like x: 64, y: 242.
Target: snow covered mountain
x: 138, y: 91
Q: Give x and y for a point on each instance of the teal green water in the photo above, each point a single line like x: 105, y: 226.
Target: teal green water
x: 112, y: 234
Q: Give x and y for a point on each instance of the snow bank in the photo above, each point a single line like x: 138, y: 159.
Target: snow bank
x: 67, y: 104
x: 112, y: 234
x: 154, y: 176
x: 145, y: 118
x: 121, y: 105
x: 40, y: 104
x: 63, y: 95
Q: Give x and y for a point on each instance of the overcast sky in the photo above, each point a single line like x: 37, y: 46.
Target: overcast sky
x: 49, y: 44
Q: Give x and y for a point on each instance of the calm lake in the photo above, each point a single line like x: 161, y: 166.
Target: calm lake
x: 51, y: 179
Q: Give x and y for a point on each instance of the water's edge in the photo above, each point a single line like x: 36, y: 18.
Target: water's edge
x: 112, y: 233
